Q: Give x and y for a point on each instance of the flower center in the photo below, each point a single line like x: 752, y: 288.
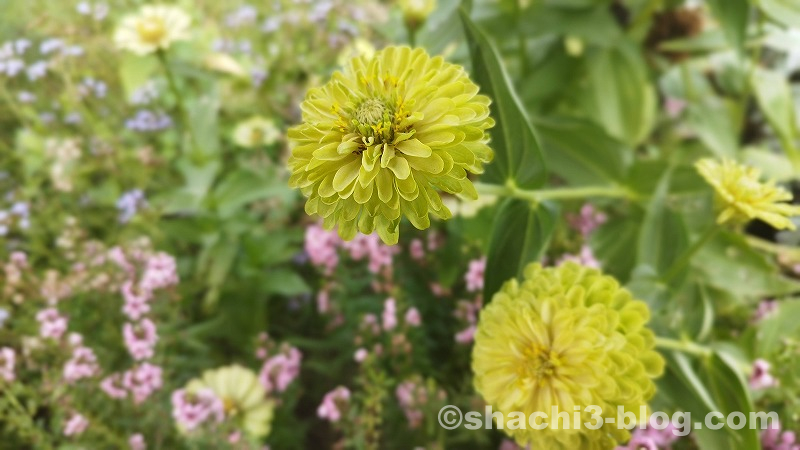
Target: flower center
x: 229, y: 406
x: 371, y: 111
x: 151, y: 30
x: 539, y: 364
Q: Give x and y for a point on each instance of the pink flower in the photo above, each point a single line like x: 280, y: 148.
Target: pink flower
x: 370, y: 246
x: 773, y: 439
x: 7, y: 363
x: 674, y: 107
x: 116, y: 255
x: 160, y: 272
x: 279, y: 371
x: 413, y: 318
x: 135, y: 309
x: 466, y: 336
x: 140, y: 339
x: 332, y: 402
x: 411, y: 396
x: 585, y: 258
x: 765, y: 309
x: 652, y: 438
x: 761, y: 378
x: 51, y: 324
x: 360, y: 355
x: 587, y: 220
x: 192, y: 409
x: 143, y: 381
x: 321, y: 247
x: 82, y: 364
x: 323, y: 301
x: 474, y: 276
x: 508, y: 444
x: 389, y: 315
x: 417, y: 249
x: 235, y: 437
x: 75, y: 425
x: 136, y: 300
x: 136, y: 442
x: 112, y: 386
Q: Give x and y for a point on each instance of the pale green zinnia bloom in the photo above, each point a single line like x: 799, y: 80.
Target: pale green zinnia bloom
x: 384, y: 136
x: 256, y: 132
x: 563, y: 337
x: 154, y: 27
x: 244, y: 399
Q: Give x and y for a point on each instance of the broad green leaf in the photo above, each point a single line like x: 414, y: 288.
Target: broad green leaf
x: 614, y: 245
x: 714, y: 126
x: 594, y: 25
x: 773, y: 165
x: 284, y: 282
x: 619, y: 95
x: 204, y: 126
x: 778, y: 326
x: 732, y: 395
x: 663, y: 236
x: 520, y: 236
x: 242, y: 187
x: 774, y: 95
x: 728, y: 263
x: 582, y: 152
x: 732, y: 15
x: 135, y: 71
x: 786, y: 12
x: 517, y: 153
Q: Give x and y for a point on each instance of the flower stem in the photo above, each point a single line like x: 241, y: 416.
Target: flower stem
x: 173, y: 87
x: 684, y: 259
x: 682, y: 346
x: 552, y: 194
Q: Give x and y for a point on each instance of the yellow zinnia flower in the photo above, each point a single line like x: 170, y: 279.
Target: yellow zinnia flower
x: 741, y: 197
x: 154, y: 27
x: 244, y: 399
x: 383, y: 136
x: 567, y: 336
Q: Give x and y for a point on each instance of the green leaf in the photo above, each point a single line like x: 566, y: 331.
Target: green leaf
x: 732, y: 395
x: 135, y: 71
x: 728, y: 263
x: 619, y: 95
x: 520, y: 236
x: 714, y: 126
x: 614, y: 245
x: 203, y: 114
x: 517, y: 153
x: 663, y: 236
x: 786, y: 12
x: 732, y: 15
x: 582, y: 152
x: 777, y: 327
x: 774, y: 95
x: 242, y: 187
x: 284, y: 282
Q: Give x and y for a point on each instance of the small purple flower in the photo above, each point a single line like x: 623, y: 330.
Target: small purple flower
x: 258, y: 76
x: 146, y: 120
x: 50, y: 45
x: 130, y: 203
x: 36, y: 70
x: 26, y: 97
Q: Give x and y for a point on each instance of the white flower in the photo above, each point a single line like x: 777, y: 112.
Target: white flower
x: 153, y: 28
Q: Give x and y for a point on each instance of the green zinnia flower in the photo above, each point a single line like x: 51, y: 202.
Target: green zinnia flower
x: 381, y: 138
x: 566, y: 336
